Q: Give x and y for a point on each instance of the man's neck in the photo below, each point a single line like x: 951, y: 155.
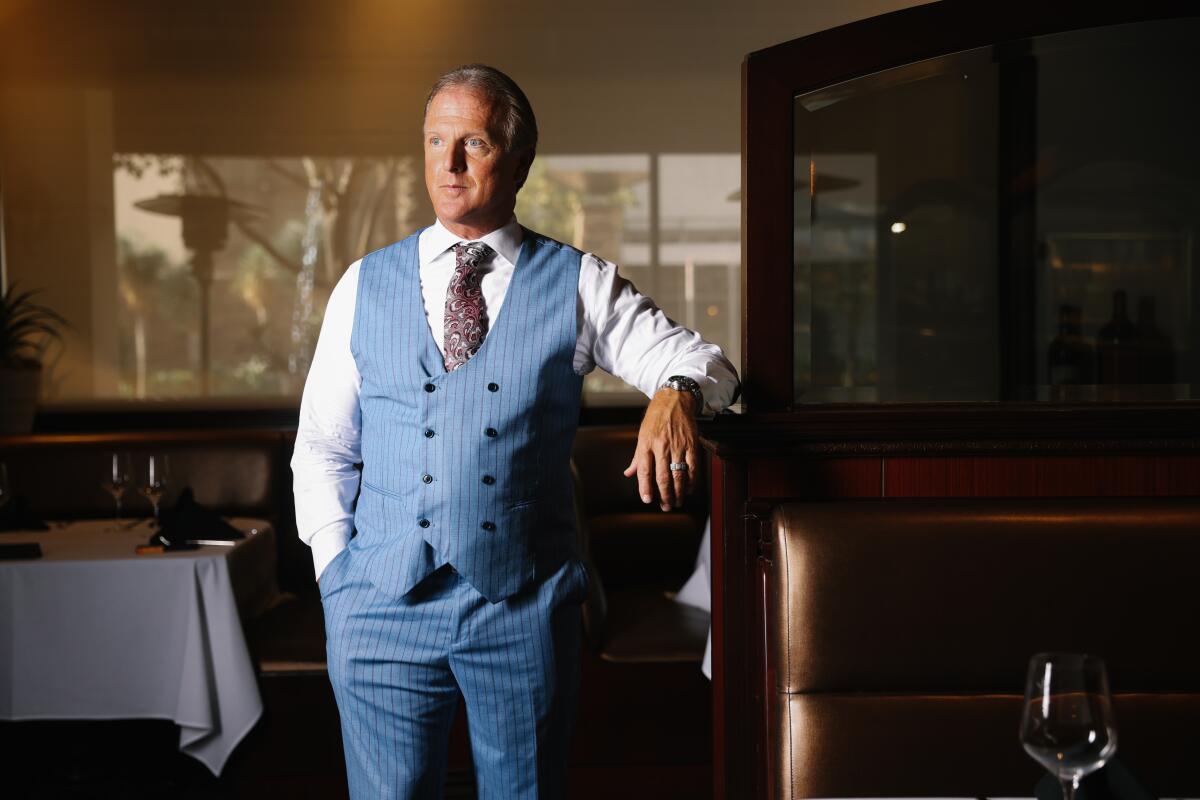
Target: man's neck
x: 474, y: 232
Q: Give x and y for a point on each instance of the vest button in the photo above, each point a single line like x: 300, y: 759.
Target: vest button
x: 429, y: 433
x: 493, y: 387
x: 489, y: 480
x: 490, y: 433
x: 424, y: 523
x: 427, y: 478
x: 429, y: 387
x: 488, y: 526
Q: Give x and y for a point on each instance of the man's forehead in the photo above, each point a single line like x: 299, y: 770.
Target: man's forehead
x: 461, y: 104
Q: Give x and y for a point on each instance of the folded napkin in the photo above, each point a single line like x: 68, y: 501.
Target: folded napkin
x: 16, y: 516
x: 19, y: 551
x: 187, y: 520
x: 1113, y: 781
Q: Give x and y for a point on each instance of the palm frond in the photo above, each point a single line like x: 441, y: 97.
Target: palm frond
x: 26, y: 327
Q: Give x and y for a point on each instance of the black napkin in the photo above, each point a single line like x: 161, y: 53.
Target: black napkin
x: 15, y: 551
x: 187, y: 519
x: 1113, y: 781
x: 16, y: 516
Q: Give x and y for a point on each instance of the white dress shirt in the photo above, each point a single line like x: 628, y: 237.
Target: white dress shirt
x: 619, y: 330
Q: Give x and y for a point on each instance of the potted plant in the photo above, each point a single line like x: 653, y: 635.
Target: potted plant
x: 27, y: 329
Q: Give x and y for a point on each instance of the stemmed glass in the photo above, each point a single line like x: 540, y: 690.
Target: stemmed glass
x: 155, y: 486
x: 116, y: 482
x: 1068, y: 725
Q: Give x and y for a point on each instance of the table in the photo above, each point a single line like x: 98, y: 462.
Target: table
x: 93, y: 631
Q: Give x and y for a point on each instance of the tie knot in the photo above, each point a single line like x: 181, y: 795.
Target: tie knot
x: 471, y: 254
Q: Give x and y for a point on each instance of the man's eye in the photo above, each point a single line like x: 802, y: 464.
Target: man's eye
x: 435, y: 140
x: 475, y: 142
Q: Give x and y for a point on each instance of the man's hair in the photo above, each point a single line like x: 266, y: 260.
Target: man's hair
x: 518, y: 126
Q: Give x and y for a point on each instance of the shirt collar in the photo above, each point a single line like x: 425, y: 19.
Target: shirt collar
x: 505, y: 240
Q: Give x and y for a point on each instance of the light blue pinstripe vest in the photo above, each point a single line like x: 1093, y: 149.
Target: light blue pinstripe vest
x: 471, y: 467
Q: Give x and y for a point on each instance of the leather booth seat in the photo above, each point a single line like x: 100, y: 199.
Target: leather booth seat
x: 645, y: 708
x: 638, y: 556
x: 899, y: 633
x: 233, y: 473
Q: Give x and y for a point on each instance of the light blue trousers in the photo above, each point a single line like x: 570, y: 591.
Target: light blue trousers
x: 397, y: 667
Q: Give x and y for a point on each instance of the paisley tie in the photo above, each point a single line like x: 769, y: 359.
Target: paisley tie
x: 465, y: 319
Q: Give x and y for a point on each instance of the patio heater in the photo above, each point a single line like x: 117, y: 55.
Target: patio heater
x: 205, y: 227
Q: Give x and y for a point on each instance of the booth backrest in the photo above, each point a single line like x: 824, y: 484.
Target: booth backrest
x: 899, y: 633
x: 634, y: 544
x: 235, y: 473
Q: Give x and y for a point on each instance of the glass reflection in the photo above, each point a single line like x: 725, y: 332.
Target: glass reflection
x: 224, y: 264
x: 267, y: 239
x: 1008, y: 223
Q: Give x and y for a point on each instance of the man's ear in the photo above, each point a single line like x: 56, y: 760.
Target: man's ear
x: 524, y: 162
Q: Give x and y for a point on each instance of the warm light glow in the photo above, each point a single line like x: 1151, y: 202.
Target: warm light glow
x: 712, y: 311
x: 899, y: 227
x: 927, y: 332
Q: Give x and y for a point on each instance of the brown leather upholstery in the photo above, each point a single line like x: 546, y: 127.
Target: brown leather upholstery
x: 602, y: 453
x: 62, y: 480
x: 647, y: 625
x: 637, y: 557
x: 900, y: 632
x: 959, y: 745
x: 642, y: 548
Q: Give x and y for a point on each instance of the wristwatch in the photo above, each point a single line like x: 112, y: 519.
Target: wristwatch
x: 681, y: 383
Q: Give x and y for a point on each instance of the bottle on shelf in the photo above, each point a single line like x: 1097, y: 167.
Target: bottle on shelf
x: 1070, y: 359
x: 1117, y: 355
x: 1157, y: 356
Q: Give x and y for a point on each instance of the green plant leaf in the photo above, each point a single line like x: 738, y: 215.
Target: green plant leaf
x: 26, y: 327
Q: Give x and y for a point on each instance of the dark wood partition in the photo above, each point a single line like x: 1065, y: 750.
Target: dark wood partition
x: 759, y: 462
x: 779, y: 449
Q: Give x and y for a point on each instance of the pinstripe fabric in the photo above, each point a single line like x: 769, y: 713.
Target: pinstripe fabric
x: 397, y: 667
x: 463, y: 574
x: 497, y: 507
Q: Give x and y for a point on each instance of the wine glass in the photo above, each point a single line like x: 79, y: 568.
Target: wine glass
x: 1068, y: 725
x: 155, y: 486
x: 116, y: 482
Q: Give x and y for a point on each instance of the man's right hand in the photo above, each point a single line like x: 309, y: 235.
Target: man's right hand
x: 668, y: 434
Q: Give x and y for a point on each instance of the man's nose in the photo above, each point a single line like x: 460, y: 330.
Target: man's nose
x: 454, y: 159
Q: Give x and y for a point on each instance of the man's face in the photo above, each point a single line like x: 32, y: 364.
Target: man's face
x: 471, y: 176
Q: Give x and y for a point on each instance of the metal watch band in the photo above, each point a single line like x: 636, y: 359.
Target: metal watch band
x: 681, y: 383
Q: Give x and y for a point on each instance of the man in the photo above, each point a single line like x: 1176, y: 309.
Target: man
x: 450, y: 366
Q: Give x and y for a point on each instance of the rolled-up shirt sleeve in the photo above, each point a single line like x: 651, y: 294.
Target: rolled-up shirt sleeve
x: 625, y: 333
x: 325, y: 461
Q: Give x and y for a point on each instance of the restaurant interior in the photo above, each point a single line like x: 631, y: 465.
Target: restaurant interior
x: 944, y: 543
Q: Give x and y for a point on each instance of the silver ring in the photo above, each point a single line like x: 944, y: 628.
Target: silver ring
x: 678, y: 466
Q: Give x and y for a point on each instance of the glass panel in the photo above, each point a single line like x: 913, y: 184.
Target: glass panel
x: 700, y: 245
x: 1007, y: 223
x: 338, y: 87
x: 687, y: 257
x: 265, y: 239
x: 600, y: 204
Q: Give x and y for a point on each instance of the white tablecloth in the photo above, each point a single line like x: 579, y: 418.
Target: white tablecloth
x: 698, y: 591
x: 93, y: 631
